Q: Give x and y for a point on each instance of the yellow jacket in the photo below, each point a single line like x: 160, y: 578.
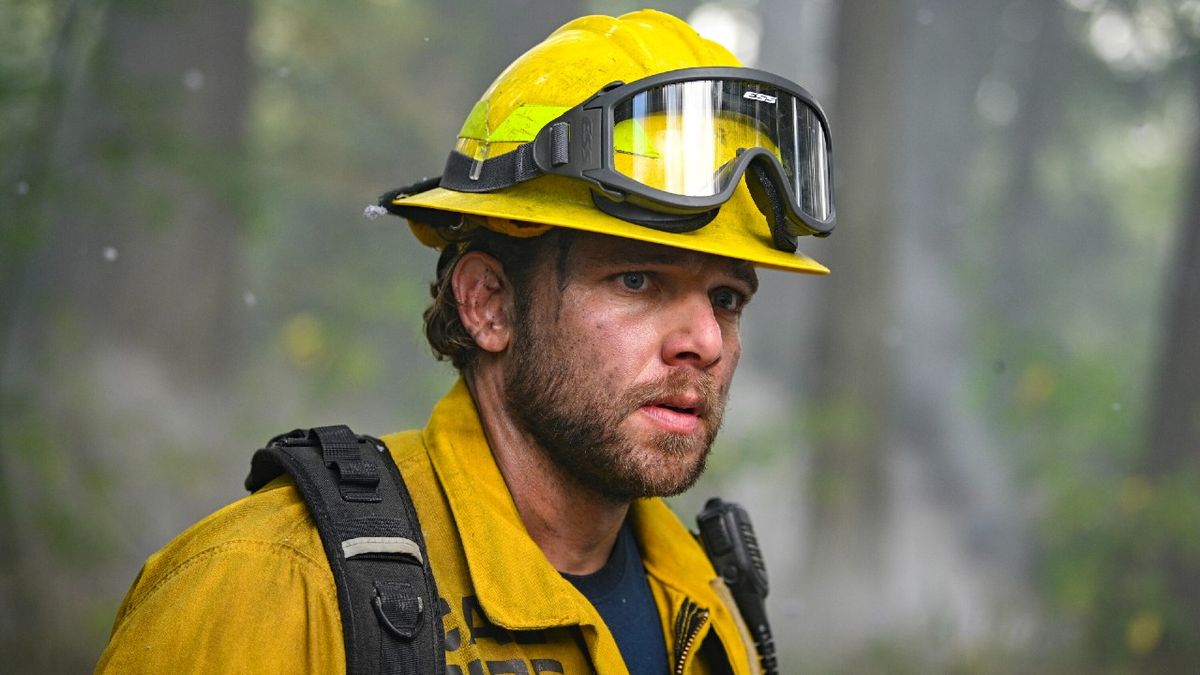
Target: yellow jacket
x: 248, y: 589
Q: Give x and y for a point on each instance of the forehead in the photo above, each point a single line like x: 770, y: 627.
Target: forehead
x: 597, y: 250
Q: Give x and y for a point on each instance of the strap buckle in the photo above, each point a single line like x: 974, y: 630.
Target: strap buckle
x: 398, y: 608
x: 357, y: 478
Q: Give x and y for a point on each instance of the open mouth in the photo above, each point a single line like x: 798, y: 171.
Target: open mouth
x: 678, y: 414
x: 687, y: 403
x: 673, y: 419
x: 679, y: 409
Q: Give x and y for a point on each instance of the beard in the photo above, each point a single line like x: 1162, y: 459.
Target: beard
x: 574, y: 411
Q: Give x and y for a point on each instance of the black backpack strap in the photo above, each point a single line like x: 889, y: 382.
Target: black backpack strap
x: 369, y: 527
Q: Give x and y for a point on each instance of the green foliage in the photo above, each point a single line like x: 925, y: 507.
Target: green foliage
x: 1065, y: 345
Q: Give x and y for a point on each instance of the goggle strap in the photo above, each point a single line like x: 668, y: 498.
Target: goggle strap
x: 658, y: 220
x: 492, y: 174
x: 768, y: 200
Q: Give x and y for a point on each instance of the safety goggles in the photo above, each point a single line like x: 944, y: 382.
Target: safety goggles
x: 668, y: 150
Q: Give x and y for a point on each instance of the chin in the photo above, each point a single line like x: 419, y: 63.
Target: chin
x: 674, y: 472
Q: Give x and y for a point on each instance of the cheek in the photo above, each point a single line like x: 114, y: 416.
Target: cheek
x: 628, y: 336
x: 733, y: 342
x: 731, y: 350
x: 618, y: 348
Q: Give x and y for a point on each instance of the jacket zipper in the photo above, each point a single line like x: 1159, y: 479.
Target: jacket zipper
x: 688, y: 622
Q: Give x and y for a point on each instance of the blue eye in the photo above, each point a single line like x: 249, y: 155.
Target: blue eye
x: 634, y: 281
x: 727, y: 299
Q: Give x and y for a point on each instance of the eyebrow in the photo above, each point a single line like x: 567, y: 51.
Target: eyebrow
x: 745, y: 272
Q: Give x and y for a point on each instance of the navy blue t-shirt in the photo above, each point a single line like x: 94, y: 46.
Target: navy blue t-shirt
x: 621, y: 595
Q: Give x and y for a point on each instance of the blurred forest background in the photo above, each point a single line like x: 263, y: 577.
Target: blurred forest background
x: 974, y: 448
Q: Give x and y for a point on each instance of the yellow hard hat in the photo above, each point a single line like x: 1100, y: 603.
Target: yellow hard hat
x: 571, y: 65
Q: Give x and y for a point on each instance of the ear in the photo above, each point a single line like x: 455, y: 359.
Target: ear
x: 484, y: 296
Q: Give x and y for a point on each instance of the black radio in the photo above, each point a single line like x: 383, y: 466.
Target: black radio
x: 733, y: 549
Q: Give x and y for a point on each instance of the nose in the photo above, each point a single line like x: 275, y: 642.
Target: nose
x: 693, y: 336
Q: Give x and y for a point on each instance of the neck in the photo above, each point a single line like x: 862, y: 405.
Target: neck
x: 574, y: 526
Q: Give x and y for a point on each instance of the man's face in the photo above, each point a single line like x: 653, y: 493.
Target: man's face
x: 620, y: 366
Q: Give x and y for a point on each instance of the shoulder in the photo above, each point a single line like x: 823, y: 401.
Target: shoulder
x: 249, y: 579
x: 407, y: 448
x: 273, y: 522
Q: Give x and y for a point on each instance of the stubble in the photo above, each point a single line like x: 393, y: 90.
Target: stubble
x: 575, y: 413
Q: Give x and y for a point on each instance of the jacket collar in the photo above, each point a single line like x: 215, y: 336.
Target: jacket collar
x: 684, y: 568
x: 516, y: 585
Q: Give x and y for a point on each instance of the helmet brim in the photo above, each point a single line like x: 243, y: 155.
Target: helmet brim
x: 563, y: 202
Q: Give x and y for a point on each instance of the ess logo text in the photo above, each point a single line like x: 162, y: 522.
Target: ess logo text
x: 755, y: 96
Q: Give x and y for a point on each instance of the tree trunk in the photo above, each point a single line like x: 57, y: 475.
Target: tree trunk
x: 1038, y: 76
x: 136, y: 271
x: 164, y: 141
x: 1174, y: 425
x: 1172, y: 457
x: 853, y: 408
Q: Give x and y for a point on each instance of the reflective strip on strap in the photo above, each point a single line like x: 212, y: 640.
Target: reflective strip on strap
x: 361, y: 545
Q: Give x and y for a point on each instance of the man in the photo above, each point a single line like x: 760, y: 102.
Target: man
x: 597, y: 254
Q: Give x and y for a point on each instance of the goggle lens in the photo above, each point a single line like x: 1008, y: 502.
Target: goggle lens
x: 682, y: 138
